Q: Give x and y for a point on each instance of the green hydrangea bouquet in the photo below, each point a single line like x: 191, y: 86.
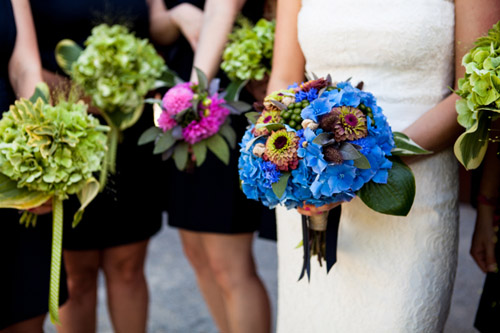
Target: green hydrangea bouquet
x: 480, y: 102
x: 249, y: 51
x: 116, y: 69
x: 48, y: 153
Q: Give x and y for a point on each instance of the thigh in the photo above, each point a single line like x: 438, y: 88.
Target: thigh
x: 124, y: 258
x: 81, y: 263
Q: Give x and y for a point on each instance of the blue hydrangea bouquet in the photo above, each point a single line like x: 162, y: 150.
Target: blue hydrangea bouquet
x: 320, y: 143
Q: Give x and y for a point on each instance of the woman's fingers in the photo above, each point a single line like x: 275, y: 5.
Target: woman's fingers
x: 311, y: 210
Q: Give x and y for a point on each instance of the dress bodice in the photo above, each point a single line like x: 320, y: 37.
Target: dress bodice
x: 74, y: 19
x: 402, y: 50
x: 7, y: 41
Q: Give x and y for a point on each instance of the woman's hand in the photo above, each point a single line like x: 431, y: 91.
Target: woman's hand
x: 188, y: 19
x: 311, y: 210
x: 45, y: 208
x: 484, y: 239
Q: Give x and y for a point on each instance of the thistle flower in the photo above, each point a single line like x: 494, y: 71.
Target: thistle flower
x: 350, y: 123
x: 281, y: 149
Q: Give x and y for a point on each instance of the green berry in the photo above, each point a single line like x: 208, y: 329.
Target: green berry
x: 305, y: 103
x: 298, y: 127
x: 292, y: 123
x: 297, y: 111
x: 369, y: 110
x: 297, y: 118
x: 286, y: 115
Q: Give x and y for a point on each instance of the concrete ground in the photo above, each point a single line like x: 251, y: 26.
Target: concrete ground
x: 176, y: 306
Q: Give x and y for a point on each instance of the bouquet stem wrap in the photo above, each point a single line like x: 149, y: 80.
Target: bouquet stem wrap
x: 55, y: 262
x: 318, y: 222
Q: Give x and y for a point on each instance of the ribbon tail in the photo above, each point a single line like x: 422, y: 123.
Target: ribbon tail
x: 306, y: 267
x: 332, y: 233
x: 55, y: 263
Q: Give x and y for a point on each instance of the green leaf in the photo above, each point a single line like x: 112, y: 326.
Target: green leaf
x: 19, y: 198
x: 165, y: 141
x: 149, y: 135
x: 202, y: 79
x: 152, y: 101
x: 85, y: 196
x: 394, y: 198
x: 251, y: 142
x: 324, y: 138
x: 271, y: 126
x: 233, y: 90
x: 349, y: 152
x: 200, y: 152
x: 406, y: 146
x: 180, y: 155
x: 237, y: 107
x: 252, y: 116
x: 41, y: 91
x: 219, y: 147
x: 122, y: 120
x: 280, y: 186
x: 362, y: 162
x: 228, y: 132
x: 167, y: 79
x: 67, y: 52
x: 471, y: 146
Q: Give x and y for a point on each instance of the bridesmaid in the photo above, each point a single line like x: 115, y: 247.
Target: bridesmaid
x: 216, y: 222
x: 24, y: 252
x: 485, y: 248
x: 114, y: 233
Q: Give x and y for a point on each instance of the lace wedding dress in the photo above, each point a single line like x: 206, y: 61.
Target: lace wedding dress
x: 393, y: 274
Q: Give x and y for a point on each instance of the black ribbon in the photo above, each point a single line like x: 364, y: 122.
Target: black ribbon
x: 306, y: 267
x: 332, y: 233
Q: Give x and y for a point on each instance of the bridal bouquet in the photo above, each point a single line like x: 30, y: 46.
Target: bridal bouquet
x: 249, y: 52
x: 480, y: 103
x: 193, y: 117
x: 48, y: 153
x: 116, y: 69
x: 319, y: 143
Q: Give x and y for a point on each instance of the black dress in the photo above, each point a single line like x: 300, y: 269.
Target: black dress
x: 129, y: 208
x: 24, y: 252
x: 488, y: 313
x: 209, y: 199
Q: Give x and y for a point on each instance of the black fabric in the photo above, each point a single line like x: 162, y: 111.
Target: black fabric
x: 24, y: 252
x: 129, y: 208
x: 209, y: 198
x: 488, y: 313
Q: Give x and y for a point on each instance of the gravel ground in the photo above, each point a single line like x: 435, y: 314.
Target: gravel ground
x: 177, y: 306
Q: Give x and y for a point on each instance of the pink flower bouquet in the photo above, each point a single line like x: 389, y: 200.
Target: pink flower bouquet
x: 191, y: 118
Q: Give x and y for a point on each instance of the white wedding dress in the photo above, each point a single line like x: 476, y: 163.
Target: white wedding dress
x: 393, y: 274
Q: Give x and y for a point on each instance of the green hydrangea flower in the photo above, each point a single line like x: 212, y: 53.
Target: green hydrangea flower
x: 51, y: 149
x: 480, y: 87
x: 117, y: 69
x: 249, y: 51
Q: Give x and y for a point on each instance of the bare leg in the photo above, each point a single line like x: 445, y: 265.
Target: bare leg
x: 196, y: 254
x: 123, y: 267
x: 78, y: 314
x: 231, y: 260
x: 33, y: 325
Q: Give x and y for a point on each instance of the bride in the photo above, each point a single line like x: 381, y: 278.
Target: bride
x: 393, y: 274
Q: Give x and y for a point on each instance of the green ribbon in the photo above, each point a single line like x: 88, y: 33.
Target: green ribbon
x: 55, y: 263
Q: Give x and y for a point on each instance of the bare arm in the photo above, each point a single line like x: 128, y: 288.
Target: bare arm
x: 288, y: 60
x: 218, y: 20
x: 166, y: 25
x: 25, y: 69
x: 437, y: 129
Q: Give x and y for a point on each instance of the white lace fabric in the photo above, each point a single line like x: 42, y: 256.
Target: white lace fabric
x: 393, y: 274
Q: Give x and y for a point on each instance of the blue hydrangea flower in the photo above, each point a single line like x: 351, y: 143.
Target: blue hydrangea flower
x: 271, y: 173
x: 317, y: 108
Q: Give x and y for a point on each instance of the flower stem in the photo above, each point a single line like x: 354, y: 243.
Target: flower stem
x: 55, y: 262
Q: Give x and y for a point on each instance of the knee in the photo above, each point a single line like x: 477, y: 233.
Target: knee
x: 125, y: 272
x: 82, y: 283
x: 231, y: 277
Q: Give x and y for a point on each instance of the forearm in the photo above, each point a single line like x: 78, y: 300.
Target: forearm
x: 288, y: 59
x: 162, y: 25
x: 218, y: 20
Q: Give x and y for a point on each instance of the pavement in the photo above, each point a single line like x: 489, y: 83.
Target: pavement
x: 176, y: 305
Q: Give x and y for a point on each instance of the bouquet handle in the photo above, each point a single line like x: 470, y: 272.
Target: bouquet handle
x: 55, y: 262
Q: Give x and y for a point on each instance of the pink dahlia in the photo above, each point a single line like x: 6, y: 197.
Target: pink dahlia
x: 165, y: 122
x: 212, y: 117
x: 178, y: 98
